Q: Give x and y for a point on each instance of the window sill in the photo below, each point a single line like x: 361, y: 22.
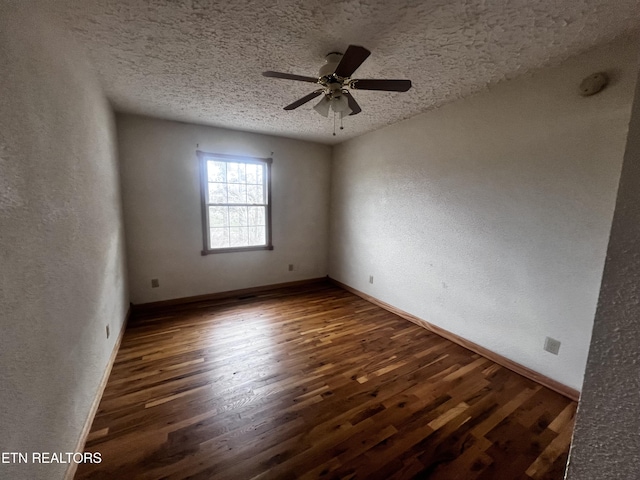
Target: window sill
x: 236, y: 249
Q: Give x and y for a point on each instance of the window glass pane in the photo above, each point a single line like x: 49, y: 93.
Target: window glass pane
x: 217, y: 171
x: 255, y: 194
x: 256, y: 216
x: 236, y: 172
x: 238, y: 216
x: 237, y: 193
x: 238, y: 237
x: 219, y: 237
x: 253, y: 170
x: 217, y: 193
x: 218, y: 216
x: 257, y: 236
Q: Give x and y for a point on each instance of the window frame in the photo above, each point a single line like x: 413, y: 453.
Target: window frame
x: 203, y: 157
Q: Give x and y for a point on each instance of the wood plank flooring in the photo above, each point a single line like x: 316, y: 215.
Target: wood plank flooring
x: 316, y: 383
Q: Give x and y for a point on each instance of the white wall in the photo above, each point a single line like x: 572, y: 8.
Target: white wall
x: 161, y: 195
x: 489, y: 217
x: 62, y: 267
x: 606, y: 441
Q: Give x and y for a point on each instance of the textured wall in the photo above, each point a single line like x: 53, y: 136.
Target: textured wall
x: 61, y: 242
x: 489, y: 217
x: 161, y: 195
x: 606, y: 441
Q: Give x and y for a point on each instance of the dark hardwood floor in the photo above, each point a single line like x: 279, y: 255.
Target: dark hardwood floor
x: 316, y: 382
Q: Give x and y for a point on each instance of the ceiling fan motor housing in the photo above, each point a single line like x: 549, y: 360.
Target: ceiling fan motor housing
x: 332, y: 60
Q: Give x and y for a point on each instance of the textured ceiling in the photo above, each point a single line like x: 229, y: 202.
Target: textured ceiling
x: 201, y: 61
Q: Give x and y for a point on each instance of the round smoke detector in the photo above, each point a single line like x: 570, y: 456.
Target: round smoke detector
x: 593, y: 84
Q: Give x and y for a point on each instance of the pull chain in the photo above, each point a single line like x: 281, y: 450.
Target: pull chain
x: 341, y: 126
x: 334, y: 123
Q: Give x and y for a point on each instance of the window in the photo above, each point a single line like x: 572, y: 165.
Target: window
x: 236, y: 197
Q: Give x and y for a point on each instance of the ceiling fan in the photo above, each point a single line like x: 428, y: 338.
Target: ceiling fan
x: 335, y: 79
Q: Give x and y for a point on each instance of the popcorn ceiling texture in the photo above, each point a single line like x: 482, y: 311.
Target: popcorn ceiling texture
x: 201, y: 61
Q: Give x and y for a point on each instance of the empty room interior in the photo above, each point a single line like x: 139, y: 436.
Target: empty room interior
x: 302, y: 239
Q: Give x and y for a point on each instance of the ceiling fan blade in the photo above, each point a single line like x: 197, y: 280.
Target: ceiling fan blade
x: 303, y: 100
x: 351, y: 60
x: 290, y: 76
x: 353, y: 105
x: 385, y: 85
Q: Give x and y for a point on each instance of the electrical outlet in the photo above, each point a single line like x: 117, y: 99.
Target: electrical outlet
x: 291, y: 267
x: 155, y: 283
x: 552, y: 345
x: 370, y: 278
x: 108, y: 332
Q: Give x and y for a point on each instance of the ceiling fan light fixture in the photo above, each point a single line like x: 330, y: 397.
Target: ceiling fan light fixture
x: 340, y: 104
x: 322, y: 107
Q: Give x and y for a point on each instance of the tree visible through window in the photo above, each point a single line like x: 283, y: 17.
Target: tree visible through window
x: 235, y: 194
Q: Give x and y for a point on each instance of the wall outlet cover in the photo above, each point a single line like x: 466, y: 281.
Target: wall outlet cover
x: 552, y: 345
x: 370, y: 278
x: 155, y: 283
